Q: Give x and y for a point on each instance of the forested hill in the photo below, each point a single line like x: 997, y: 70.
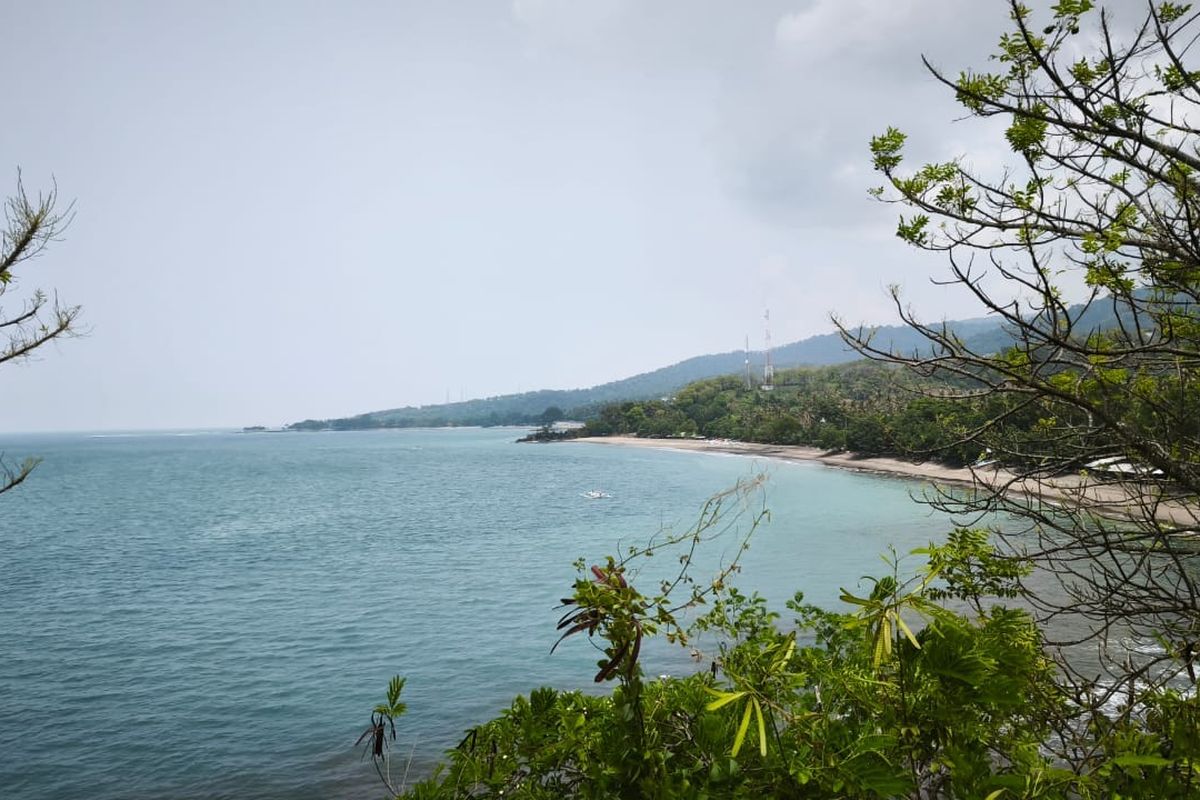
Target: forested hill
x: 983, y: 335
x: 531, y: 407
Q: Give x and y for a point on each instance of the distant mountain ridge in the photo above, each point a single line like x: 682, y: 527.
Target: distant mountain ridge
x: 983, y: 334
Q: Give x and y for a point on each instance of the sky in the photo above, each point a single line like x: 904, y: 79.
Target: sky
x: 289, y: 210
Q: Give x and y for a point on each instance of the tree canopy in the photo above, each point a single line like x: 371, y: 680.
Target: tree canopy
x: 1102, y: 200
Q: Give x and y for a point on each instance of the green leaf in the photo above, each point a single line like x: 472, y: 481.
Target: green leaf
x: 1170, y: 12
x: 762, y: 728
x: 883, y: 644
x: 723, y: 699
x: 907, y: 632
x: 886, y: 150
x: 846, y: 597
x: 1134, y: 760
x: 741, y: 734
x: 1027, y: 132
x: 783, y: 658
x: 877, y: 774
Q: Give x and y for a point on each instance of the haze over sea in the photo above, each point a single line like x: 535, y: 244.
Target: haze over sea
x: 214, y: 614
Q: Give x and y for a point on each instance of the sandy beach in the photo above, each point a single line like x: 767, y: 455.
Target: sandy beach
x: 784, y: 452
x: 1105, y: 497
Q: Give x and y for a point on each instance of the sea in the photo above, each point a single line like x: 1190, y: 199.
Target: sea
x: 206, y: 614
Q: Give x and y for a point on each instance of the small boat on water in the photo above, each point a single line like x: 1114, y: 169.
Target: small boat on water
x: 596, y: 494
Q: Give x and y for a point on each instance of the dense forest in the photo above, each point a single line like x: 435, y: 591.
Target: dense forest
x: 868, y: 408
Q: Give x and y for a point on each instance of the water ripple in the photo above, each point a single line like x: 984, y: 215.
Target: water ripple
x: 213, y: 616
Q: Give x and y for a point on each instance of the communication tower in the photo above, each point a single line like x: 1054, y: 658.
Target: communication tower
x: 749, y: 381
x: 768, y: 368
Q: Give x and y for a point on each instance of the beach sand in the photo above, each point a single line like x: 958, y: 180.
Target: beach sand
x: 1097, y: 495
x: 786, y: 452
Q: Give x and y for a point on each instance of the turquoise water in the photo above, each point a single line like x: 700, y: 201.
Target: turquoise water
x: 213, y: 615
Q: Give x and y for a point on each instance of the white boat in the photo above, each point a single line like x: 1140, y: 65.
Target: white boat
x: 596, y: 494
x: 1119, y: 465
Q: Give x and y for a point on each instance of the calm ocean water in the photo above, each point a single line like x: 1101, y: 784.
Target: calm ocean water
x: 214, y: 614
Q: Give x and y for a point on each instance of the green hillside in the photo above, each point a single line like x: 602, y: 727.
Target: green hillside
x: 983, y: 334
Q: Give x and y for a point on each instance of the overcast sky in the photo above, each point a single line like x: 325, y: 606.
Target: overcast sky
x: 312, y: 209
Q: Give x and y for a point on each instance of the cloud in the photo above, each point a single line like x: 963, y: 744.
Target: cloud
x: 467, y: 161
x: 883, y: 42
x: 793, y: 139
x: 829, y: 25
x: 565, y: 21
x: 773, y: 268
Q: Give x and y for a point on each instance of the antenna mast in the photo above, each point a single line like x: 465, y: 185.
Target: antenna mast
x: 768, y: 368
x: 749, y: 381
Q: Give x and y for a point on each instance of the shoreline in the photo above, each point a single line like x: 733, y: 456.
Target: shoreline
x: 1074, y: 492
x: 799, y: 453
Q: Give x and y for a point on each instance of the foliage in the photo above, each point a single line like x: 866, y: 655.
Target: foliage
x: 866, y: 408
x: 651, y: 418
x: 1102, y: 201
x: 970, y: 569
x: 383, y: 726
x: 895, y: 695
x: 31, y: 224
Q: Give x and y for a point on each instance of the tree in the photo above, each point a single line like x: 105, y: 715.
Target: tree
x: 551, y: 415
x: 31, y: 224
x: 1093, y: 413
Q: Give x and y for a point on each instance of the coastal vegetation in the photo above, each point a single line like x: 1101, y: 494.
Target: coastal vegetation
x: 943, y: 679
x: 1103, y: 203
x: 895, y: 695
x: 866, y: 408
